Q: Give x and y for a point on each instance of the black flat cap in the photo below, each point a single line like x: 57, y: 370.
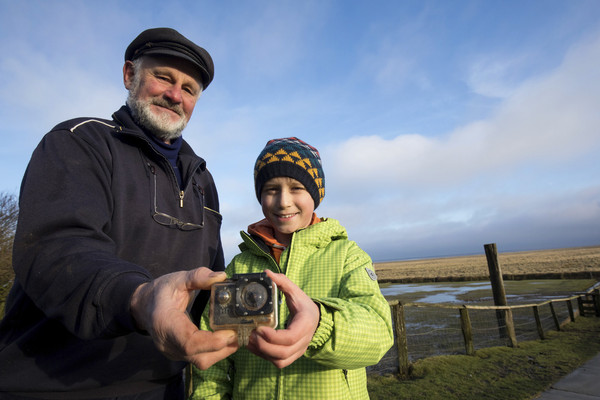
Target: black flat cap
x: 169, y: 42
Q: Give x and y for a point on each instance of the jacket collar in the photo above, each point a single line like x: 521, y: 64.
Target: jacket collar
x: 264, y: 233
x: 124, y: 118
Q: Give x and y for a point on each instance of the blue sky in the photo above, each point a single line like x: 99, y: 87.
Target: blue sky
x: 443, y: 125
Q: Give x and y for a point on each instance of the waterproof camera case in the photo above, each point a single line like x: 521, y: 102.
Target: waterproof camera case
x: 243, y: 303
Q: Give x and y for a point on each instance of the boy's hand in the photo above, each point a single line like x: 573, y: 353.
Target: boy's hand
x: 159, y: 308
x: 283, y: 347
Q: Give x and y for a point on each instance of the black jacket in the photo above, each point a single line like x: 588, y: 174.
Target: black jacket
x: 86, y: 238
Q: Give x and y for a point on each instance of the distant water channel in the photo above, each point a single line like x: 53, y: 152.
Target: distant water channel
x: 481, y: 291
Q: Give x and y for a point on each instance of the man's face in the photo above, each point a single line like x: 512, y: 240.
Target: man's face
x: 162, y: 94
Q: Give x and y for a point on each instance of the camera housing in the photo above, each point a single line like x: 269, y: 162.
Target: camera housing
x: 243, y: 303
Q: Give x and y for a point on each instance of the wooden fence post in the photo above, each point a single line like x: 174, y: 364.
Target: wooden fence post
x: 491, y: 254
x: 510, y: 327
x: 465, y: 324
x: 554, y: 316
x: 538, y: 322
x: 401, y: 345
x: 570, y: 308
x: 580, y: 306
x: 596, y: 298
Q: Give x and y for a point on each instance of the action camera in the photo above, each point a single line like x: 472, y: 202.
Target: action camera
x: 243, y: 303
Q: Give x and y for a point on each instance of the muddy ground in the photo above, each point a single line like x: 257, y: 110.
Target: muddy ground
x: 580, y: 263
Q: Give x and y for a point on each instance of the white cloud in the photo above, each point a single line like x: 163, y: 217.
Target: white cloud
x: 471, y: 184
x: 548, y: 120
x: 494, y: 75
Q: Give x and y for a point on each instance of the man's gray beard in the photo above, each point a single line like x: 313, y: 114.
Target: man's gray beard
x: 160, y: 125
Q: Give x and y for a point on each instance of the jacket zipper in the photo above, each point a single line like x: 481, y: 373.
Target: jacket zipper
x: 181, y: 193
x: 187, y: 184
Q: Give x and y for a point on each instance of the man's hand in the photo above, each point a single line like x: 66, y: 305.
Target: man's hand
x: 283, y: 347
x: 159, y: 308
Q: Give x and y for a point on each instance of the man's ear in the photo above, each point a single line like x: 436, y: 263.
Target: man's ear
x: 128, y: 73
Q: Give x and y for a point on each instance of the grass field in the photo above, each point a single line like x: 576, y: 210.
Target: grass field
x: 579, y: 262
x: 498, y: 373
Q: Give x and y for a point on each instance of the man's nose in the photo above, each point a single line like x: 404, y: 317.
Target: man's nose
x: 174, y: 94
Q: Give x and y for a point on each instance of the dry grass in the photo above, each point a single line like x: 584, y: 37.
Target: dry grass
x: 579, y: 262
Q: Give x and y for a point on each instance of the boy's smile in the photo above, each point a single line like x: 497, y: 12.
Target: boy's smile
x: 287, y: 205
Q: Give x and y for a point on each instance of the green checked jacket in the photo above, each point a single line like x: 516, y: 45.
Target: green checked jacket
x: 355, y: 329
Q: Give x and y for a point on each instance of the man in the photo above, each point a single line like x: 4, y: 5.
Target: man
x: 115, y: 218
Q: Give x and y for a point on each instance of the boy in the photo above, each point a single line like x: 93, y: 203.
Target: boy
x: 328, y: 280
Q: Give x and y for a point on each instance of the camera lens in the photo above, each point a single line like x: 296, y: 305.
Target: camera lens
x: 254, y: 296
x: 224, y: 296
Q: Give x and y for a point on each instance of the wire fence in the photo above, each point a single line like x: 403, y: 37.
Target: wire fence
x: 426, y: 330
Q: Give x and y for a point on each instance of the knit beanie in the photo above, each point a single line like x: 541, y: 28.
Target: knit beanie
x: 295, y: 159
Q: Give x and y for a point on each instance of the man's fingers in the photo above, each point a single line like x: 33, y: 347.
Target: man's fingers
x: 203, y: 278
x: 211, y: 347
x: 207, y: 359
x: 205, y: 341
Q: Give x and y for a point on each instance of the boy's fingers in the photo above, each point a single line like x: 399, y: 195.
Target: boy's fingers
x: 280, y: 337
x: 282, y: 281
x: 293, y: 294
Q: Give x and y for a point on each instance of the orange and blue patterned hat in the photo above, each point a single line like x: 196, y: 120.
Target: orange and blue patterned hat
x: 293, y: 158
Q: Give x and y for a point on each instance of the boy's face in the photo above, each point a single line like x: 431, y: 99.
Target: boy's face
x: 287, y: 205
